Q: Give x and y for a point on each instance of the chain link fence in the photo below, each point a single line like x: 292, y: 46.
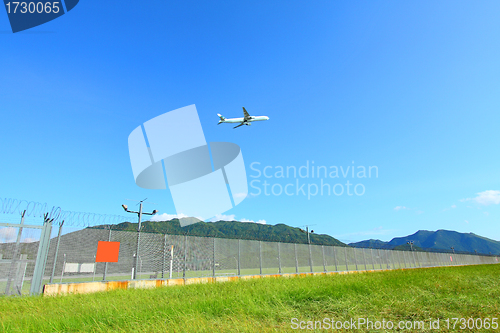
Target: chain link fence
x: 163, y: 256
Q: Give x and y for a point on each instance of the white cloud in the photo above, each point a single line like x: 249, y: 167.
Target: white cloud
x: 8, y: 234
x: 166, y: 217
x: 29, y: 240
x: 416, y: 210
x: 466, y: 221
x: 486, y: 198
x: 450, y: 208
x: 240, y: 195
x: 218, y: 217
x: 222, y: 217
x: 252, y: 221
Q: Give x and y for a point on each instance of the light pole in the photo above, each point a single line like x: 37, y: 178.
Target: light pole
x: 139, y: 214
x: 453, y: 249
x: 309, y: 244
x: 307, y: 232
x: 411, y: 244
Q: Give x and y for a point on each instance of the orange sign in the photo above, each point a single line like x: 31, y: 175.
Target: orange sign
x: 107, y: 251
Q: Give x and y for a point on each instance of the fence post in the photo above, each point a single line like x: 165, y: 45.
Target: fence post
x: 106, y: 264
x: 345, y: 255
x: 324, y: 262
x: 260, y: 257
x: 164, y: 255
x: 172, y: 261
x: 185, y: 256
x: 296, y: 259
x: 239, y: 250
x: 279, y: 258
x: 15, y: 255
x: 354, y: 250
x: 373, y: 259
x: 364, y: 258
x: 213, y: 260
x: 335, y: 258
x: 380, y: 258
x: 57, y: 250
x: 310, y: 258
x: 41, y: 258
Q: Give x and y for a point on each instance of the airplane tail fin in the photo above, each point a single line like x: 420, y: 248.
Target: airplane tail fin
x: 221, y: 118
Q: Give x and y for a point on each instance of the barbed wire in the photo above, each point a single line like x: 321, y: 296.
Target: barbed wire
x: 75, y: 219
x: 32, y: 208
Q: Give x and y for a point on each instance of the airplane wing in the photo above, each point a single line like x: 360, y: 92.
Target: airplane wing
x: 246, y: 113
x: 242, y: 123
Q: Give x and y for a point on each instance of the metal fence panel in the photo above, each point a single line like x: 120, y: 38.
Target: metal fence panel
x: 249, y: 257
x: 303, y: 258
x: 192, y: 257
x: 226, y: 256
x: 317, y: 258
x: 270, y: 261
x: 18, y: 251
x: 200, y: 258
x: 330, y: 258
x: 288, y: 260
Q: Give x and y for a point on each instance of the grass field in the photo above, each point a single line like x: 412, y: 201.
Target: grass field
x: 268, y: 305
x: 189, y: 274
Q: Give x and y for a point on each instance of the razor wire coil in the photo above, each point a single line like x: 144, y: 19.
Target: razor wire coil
x: 39, y: 209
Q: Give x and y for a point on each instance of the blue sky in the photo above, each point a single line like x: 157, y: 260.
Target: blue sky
x: 411, y: 88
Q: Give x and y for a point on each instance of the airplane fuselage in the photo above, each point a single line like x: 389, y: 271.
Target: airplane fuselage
x: 240, y: 120
x: 246, y: 120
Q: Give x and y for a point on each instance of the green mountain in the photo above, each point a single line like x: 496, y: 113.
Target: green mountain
x: 371, y: 244
x: 438, y: 240
x: 232, y: 229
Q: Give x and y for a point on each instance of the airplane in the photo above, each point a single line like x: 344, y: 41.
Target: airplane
x: 246, y: 120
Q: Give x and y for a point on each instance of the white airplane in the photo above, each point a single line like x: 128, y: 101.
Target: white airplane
x: 246, y: 120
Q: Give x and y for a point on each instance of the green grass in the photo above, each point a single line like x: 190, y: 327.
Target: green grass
x: 189, y: 274
x: 266, y: 305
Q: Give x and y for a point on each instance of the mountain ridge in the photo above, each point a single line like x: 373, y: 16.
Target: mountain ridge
x: 232, y: 229
x: 438, y: 240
